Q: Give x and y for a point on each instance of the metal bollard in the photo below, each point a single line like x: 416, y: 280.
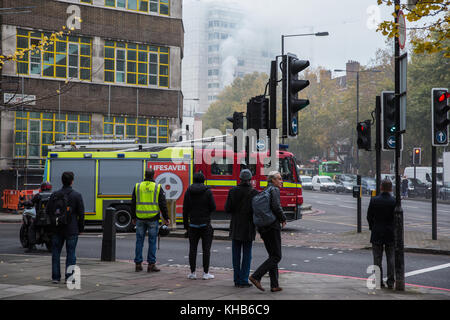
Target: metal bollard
x: 109, y: 235
x: 172, y: 206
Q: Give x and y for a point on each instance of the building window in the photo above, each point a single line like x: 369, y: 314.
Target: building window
x: 34, y: 132
x: 136, y: 64
x: 155, y: 6
x: 213, y: 48
x: 145, y: 130
x: 213, y: 72
x: 86, y: 1
x: 69, y: 57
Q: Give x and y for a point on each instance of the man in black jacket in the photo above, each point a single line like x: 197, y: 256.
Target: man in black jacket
x: 67, y: 232
x: 271, y: 236
x: 242, y: 229
x: 380, y: 216
x: 198, y: 205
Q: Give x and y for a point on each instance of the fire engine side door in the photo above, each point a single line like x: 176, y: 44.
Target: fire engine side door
x: 221, y: 177
x: 288, y: 192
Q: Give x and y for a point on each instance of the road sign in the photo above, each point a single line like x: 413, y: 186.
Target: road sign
x: 294, y: 125
x: 391, y: 142
x: 441, y: 137
x: 401, y: 30
x: 260, y: 145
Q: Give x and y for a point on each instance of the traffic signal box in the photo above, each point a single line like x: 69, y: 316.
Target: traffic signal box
x: 439, y: 114
x: 291, y: 105
x: 364, y: 135
x: 417, y: 156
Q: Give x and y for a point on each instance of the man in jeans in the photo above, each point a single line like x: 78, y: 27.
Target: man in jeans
x: 69, y: 232
x: 271, y: 236
x: 380, y: 216
x: 242, y: 229
x: 147, y: 201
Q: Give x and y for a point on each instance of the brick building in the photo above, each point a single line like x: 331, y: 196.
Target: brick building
x: 118, y: 75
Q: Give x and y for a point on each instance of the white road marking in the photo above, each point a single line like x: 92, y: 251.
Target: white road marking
x: 413, y: 273
x: 306, y: 260
x: 342, y: 206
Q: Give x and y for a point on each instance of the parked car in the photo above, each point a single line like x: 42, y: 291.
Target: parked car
x: 368, y: 184
x: 345, y: 182
x: 323, y: 183
x: 416, y: 188
x: 444, y: 191
x: 306, y: 182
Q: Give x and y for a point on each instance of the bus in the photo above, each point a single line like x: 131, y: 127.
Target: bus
x: 330, y: 168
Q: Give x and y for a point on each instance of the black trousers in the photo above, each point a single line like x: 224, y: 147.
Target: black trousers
x: 195, y: 234
x: 272, y: 242
x: 377, y: 250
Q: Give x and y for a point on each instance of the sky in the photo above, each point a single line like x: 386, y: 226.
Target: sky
x: 350, y: 24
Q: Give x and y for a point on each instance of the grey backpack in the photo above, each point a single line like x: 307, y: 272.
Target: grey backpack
x: 262, y: 212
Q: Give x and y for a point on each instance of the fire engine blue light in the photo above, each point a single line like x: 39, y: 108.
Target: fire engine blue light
x: 283, y: 146
x: 53, y: 155
x: 121, y: 155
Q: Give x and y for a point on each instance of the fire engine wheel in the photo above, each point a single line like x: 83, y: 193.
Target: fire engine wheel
x: 123, y: 219
x: 23, y: 236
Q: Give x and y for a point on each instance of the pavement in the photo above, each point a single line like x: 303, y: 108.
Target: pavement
x: 27, y: 277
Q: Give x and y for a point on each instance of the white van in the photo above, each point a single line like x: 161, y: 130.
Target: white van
x: 424, y: 174
x: 323, y: 183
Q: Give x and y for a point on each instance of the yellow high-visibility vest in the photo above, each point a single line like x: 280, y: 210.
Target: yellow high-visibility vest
x: 147, y: 195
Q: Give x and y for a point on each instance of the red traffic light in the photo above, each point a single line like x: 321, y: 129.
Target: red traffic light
x: 444, y: 96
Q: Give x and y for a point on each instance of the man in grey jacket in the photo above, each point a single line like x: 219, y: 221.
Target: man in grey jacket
x: 271, y: 236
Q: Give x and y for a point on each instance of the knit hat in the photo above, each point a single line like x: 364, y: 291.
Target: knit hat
x: 245, y: 175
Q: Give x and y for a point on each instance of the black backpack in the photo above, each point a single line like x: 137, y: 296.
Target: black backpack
x: 62, y: 211
x: 42, y: 218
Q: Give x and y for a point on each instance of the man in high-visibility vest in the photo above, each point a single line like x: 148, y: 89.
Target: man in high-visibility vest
x: 147, y: 201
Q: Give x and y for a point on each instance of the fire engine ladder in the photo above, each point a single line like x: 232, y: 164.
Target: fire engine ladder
x: 129, y: 145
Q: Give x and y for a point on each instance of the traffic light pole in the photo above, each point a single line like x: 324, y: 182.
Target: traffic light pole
x: 433, y: 194
x: 398, y: 213
x: 378, y: 141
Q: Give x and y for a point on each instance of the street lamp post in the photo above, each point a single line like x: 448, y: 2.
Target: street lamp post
x: 317, y: 34
x: 358, y: 176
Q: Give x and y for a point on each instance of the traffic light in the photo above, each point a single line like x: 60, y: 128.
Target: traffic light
x: 388, y: 126
x: 291, y: 87
x: 238, y: 120
x: 417, y: 156
x: 258, y: 113
x: 439, y: 114
x: 364, y: 139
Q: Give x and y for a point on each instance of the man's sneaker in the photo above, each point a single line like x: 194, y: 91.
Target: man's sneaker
x: 207, y: 276
x: 192, y: 276
x: 55, y: 281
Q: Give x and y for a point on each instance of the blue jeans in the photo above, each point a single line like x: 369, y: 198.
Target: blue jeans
x: 71, y: 260
x: 141, y: 228
x: 241, y: 272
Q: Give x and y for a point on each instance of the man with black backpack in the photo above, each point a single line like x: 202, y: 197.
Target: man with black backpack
x: 66, y: 210
x: 267, y: 216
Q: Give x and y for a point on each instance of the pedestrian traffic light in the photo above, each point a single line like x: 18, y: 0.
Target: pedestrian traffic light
x: 238, y: 120
x: 364, y: 139
x: 439, y: 114
x: 258, y: 113
x: 388, y: 120
x: 417, y: 156
x: 291, y: 105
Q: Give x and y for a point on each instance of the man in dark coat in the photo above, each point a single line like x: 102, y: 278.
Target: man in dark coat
x: 242, y: 229
x: 405, y: 183
x: 380, y: 216
x: 198, y: 204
